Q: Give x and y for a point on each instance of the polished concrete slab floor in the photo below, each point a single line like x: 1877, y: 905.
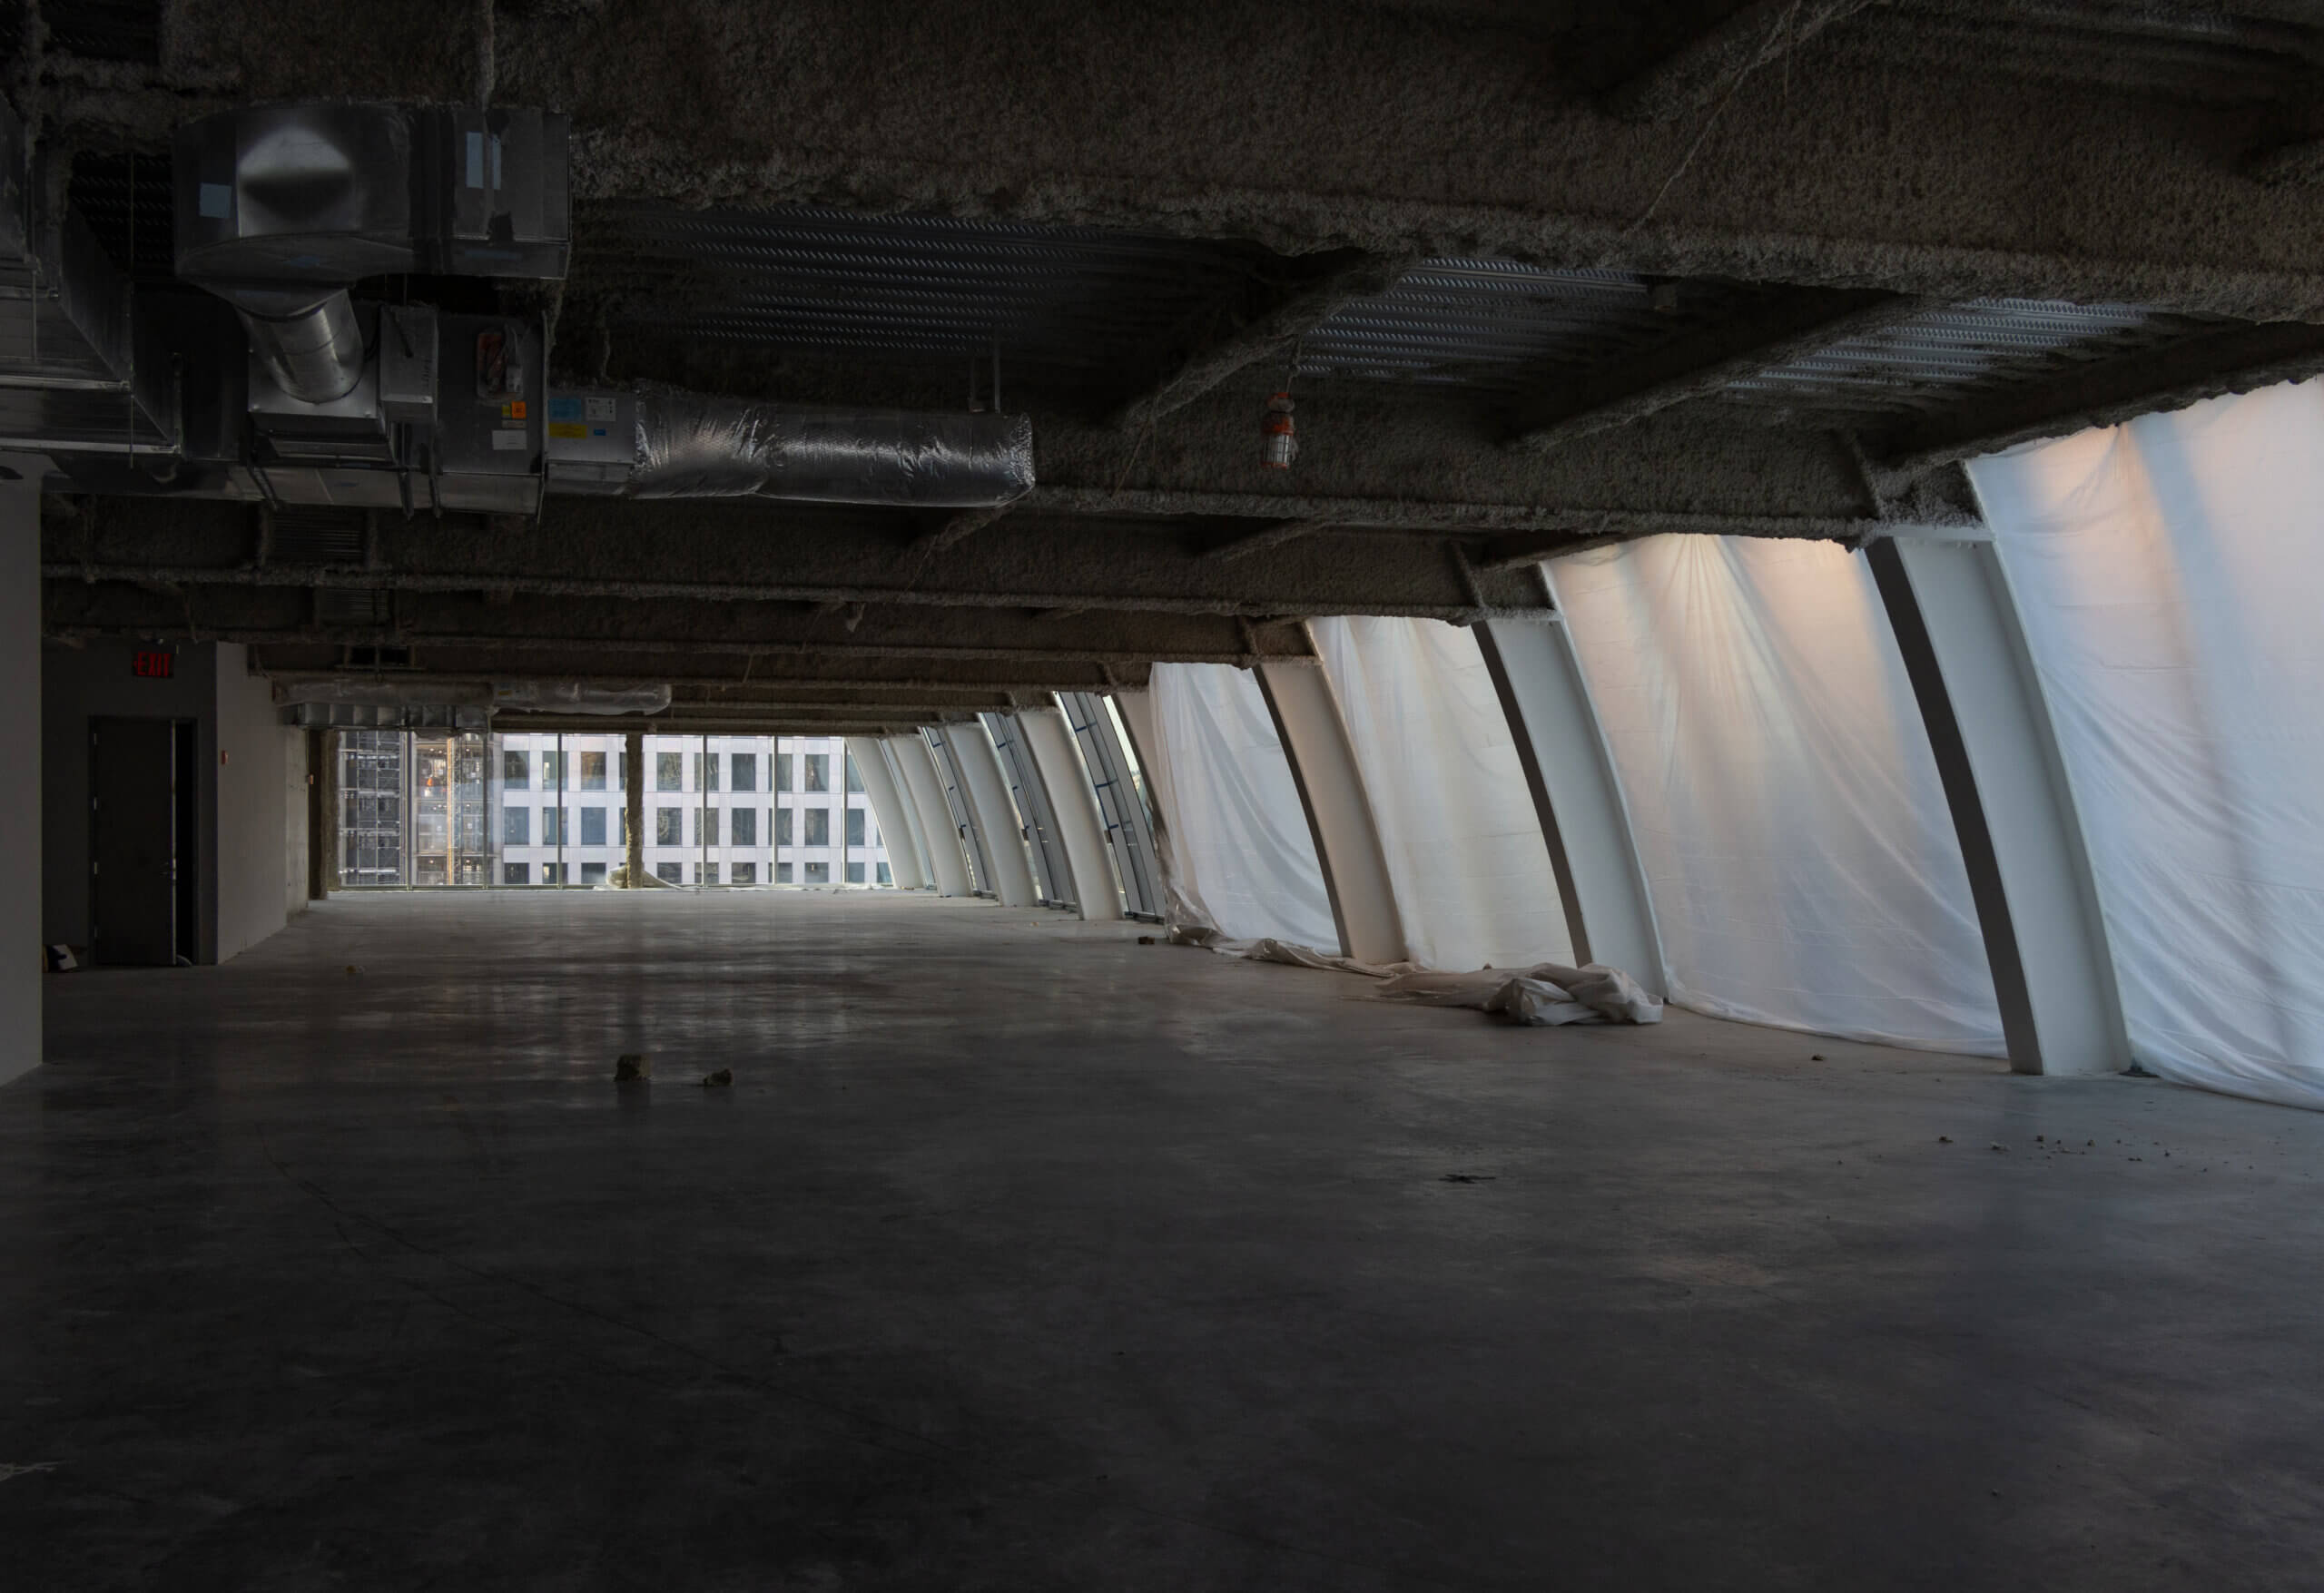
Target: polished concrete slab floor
x: 1022, y: 1256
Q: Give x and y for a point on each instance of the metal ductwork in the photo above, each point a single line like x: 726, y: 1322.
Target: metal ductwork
x: 81, y: 372
x: 327, y: 399
x: 663, y: 442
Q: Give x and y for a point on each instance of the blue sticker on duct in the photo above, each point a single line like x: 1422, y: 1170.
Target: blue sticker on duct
x: 217, y: 201
x: 564, y: 409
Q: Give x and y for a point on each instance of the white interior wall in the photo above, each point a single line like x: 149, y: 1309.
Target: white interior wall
x: 1788, y: 813
x: 1464, y: 849
x: 252, y: 748
x: 2171, y: 573
x: 1240, y: 856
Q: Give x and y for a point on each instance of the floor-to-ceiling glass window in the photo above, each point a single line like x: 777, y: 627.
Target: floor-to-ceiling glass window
x: 545, y: 807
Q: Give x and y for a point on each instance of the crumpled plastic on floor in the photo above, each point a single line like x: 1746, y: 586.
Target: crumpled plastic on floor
x: 1546, y: 994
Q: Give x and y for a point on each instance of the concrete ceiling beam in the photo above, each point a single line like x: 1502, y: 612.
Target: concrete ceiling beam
x: 1349, y: 275
x: 1392, y: 129
x: 1796, y: 321
x: 1715, y: 62
x: 2232, y: 360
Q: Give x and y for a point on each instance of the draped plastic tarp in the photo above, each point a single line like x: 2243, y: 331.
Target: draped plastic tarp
x: 1796, y: 839
x: 1240, y: 857
x: 1456, y: 819
x: 2171, y: 577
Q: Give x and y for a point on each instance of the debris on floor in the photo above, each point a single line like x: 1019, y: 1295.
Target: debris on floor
x: 1468, y: 1177
x: 61, y: 959
x: 1146, y: 940
x: 723, y: 1076
x: 631, y: 1067
x: 354, y: 967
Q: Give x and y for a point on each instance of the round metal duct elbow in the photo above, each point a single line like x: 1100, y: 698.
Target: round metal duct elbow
x: 696, y: 445
x: 312, y: 348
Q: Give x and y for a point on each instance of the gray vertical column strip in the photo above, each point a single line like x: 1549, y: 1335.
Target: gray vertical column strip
x: 994, y: 815
x: 924, y: 784
x: 1322, y: 755
x: 1577, y: 794
x: 915, y: 835
x: 869, y: 757
x: 1052, y: 869
x: 1073, y: 804
x: 962, y: 810
x: 1958, y: 626
x: 21, y: 908
x: 1129, y: 836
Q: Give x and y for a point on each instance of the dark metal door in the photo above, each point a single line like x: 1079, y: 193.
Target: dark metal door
x: 133, y: 854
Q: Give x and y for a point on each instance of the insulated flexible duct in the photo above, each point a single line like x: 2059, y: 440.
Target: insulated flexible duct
x: 696, y: 445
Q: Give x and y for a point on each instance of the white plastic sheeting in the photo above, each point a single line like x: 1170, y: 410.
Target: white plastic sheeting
x: 1463, y: 843
x: 1240, y: 858
x: 1794, y: 832
x: 2171, y: 574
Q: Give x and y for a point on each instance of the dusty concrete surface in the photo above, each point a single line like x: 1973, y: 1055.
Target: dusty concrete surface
x: 1022, y: 1256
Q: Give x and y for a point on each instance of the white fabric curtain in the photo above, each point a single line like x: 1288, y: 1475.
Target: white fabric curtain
x: 2171, y: 575
x: 1465, y: 848
x: 1241, y: 858
x: 1797, y: 842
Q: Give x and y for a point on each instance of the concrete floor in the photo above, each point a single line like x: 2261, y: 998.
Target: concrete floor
x: 1020, y: 1256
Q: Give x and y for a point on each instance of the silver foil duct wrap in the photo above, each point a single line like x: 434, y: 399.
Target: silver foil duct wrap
x: 699, y: 445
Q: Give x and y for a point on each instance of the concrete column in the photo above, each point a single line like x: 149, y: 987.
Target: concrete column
x: 868, y: 754
x: 22, y: 957
x: 320, y: 774
x: 994, y: 815
x: 633, y: 803
x: 1080, y: 827
x: 1609, y: 915
x: 945, y: 863
x: 1956, y: 623
x: 1347, y: 840
x: 921, y: 867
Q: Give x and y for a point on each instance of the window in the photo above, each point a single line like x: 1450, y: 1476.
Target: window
x: 709, y: 875
x: 517, y: 826
x: 819, y: 772
x: 855, y: 873
x: 855, y: 826
x: 854, y: 775
x: 669, y: 826
x: 819, y: 873
x: 781, y: 761
x: 747, y: 873
x: 743, y: 825
x: 669, y: 772
x: 593, y: 873
x: 517, y: 770
x: 705, y: 772
x: 593, y: 827
x: 884, y: 877
x: 670, y: 873
x: 621, y: 826
x: 592, y: 772
x: 745, y: 771
x: 552, y: 873
x: 782, y: 827
x: 551, y: 772
x: 783, y: 873
x: 819, y: 826
x: 515, y: 873
x: 549, y: 826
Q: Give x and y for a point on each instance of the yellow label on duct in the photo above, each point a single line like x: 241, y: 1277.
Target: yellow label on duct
x: 568, y: 429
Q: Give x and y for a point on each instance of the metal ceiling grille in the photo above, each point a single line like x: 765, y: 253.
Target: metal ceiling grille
x: 1054, y: 300
x: 1483, y: 323
x: 1935, y: 360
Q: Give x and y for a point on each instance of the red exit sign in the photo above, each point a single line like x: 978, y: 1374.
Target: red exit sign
x: 153, y: 665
